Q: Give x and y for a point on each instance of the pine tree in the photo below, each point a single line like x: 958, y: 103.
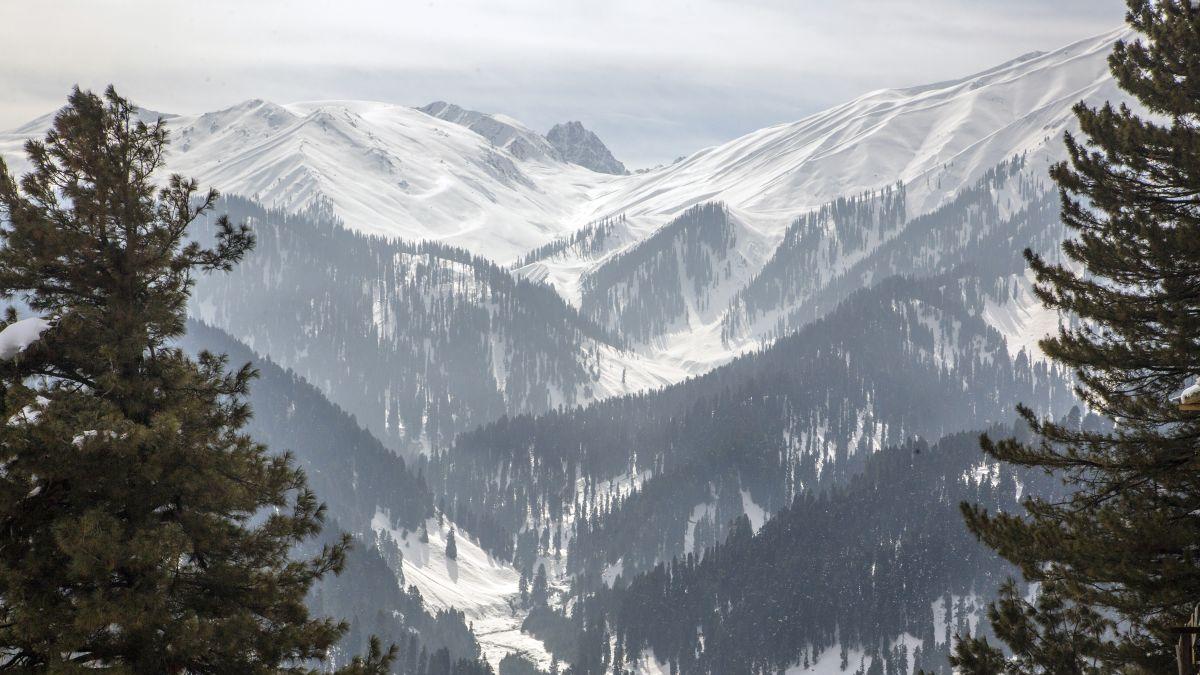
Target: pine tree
x: 540, y: 592
x: 1123, y: 544
x: 1066, y: 638
x: 451, y: 547
x: 142, y: 531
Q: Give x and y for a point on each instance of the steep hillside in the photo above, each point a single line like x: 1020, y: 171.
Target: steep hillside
x: 935, y: 139
x: 500, y: 131
x: 418, y: 341
x: 677, y: 280
x: 862, y: 573
x: 626, y: 480
x: 358, y: 479
x: 853, y: 243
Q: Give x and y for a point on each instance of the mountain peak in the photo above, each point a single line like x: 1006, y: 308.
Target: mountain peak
x: 500, y: 131
x: 580, y: 146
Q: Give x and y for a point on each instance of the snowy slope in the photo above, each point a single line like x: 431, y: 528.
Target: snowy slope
x: 483, y: 588
x: 385, y: 169
x: 935, y: 141
x: 1022, y: 319
x: 500, y: 130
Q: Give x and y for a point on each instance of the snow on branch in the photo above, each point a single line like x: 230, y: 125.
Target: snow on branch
x: 18, y: 335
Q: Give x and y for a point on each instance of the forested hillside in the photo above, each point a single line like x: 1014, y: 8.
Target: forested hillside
x: 650, y: 288
x: 292, y: 416
x: 816, y: 248
x: 863, y: 573
x: 418, y: 341
x: 858, y: 241
x: 627, y: 478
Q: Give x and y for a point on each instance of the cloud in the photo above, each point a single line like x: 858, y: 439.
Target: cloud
x: 655, y: 79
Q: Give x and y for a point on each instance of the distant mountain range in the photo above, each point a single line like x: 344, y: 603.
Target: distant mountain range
x: 679, y: 269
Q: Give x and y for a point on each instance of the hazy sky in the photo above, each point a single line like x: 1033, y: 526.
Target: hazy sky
x: 655, y: 78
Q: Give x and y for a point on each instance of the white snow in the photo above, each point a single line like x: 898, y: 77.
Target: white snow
x: 483, y: 588
x: 984, y: 471
x: 611, y: 573
x: 1023, y: 320
x: 829, y: 662
x: 699, y: 512
x: 17, y: 336
x: 974, y: 608
x: 754, y: 512
x: 1190, y: 393
x: 30, y: 413
x: 949, y: 132
x: 648, y: 665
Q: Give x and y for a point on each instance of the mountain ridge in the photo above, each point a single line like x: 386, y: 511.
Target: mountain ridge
x: 397, y: 171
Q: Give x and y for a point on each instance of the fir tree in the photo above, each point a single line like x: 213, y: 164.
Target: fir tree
x: 539, y: 594
x: 142, y: 531
x: 1123, y: 546
x: 451, y: 547
x: 1065, y: 640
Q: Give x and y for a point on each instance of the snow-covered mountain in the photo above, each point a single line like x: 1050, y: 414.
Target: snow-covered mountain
x: 487, y: 183
x: 935, y: 139
x: 384, y: 169
x: 930, y: 143
x: 501, y: 131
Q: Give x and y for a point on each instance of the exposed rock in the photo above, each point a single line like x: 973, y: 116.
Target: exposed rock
x: 519, y: 141
x: 579, y: 146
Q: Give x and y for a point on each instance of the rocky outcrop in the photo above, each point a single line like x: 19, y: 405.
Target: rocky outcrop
x: 579, y: 146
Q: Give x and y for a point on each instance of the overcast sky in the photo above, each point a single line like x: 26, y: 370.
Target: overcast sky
x: 655, y: 78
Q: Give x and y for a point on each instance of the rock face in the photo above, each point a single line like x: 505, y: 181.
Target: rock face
x: 503, y: 132
x: 579, y: 146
